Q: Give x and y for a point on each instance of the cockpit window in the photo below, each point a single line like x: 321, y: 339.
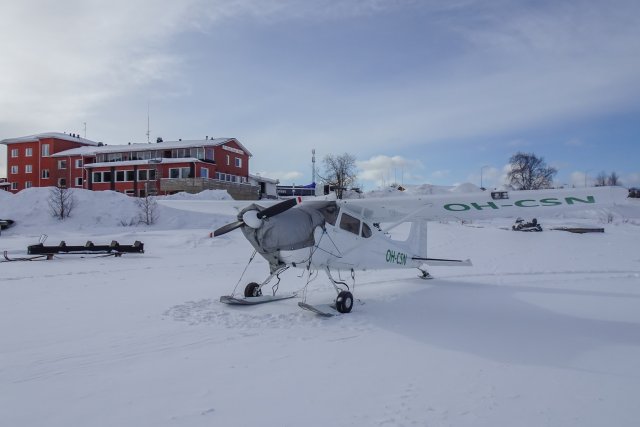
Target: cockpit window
x: 330, y: 213
x: 366, y: 230
x: 350, y: 224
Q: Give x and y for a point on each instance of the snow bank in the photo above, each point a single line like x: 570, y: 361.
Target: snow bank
x: 99, y: 209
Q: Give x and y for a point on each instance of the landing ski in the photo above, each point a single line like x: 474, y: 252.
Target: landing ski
x: 230, y: 299
x: 322, y: 310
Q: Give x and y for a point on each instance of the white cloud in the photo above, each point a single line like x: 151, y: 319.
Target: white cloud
x: 285, y: 177
x: 383, y: 169
x: 581, y: 179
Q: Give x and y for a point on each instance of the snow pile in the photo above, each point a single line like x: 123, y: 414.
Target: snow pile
x: 423, y: 189
x: 99, y: 209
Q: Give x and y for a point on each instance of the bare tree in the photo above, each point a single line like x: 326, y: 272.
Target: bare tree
x: 601, y: 179
x: 340, y: 172
x: 148, y: 209
x: 61, y: 201
x: 529, y: 172
x: 613, y: 179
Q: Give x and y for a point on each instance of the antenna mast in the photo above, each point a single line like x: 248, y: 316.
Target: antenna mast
x: 313, y: 165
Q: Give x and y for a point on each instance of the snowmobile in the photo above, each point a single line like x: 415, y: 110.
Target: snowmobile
x: 520, y: 225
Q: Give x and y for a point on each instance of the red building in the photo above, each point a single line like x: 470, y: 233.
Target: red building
x: 55, y: 159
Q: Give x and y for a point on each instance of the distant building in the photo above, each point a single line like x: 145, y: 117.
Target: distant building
x: 165, y: 167
x: 268, y: 186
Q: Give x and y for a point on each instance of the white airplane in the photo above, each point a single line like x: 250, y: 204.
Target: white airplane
x: 346, y: 235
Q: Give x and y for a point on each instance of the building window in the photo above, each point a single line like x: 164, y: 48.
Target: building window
x: 130, y: 175
x: 28, y: 152
x: 28, y: 184
x: 228, y: 160
x: 78, y: 163
x: 45, y: 173
x: 14, y: 185
x: 129, y: 192
x: 142, y: 175
x: 28, y: 169
x: 45, y: 150
x: 102, y: 177
x: 62, y: 164
x: 62, y: 182
x: 14, y: 152
x: 238, y: 162
x: 204, y: 173
x: 14, y: 169
x: 79, y: 181
x: 119, y: 176
x: 179, y: 173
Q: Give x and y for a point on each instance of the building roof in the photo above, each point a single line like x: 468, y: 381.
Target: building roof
x: 259, y: 178
x: 165, y: 145
x: 143, y: 162
x: 57, y: 135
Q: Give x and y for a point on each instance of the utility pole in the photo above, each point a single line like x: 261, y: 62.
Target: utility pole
x: 148, y: 130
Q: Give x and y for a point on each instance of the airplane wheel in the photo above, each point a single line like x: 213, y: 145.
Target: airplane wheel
x: 344, y: 302
x: 252, y: 290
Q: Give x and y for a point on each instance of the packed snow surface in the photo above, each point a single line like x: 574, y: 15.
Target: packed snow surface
x: 544, y: 329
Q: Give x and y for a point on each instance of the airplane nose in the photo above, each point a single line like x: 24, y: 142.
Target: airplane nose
x: 251, y: 219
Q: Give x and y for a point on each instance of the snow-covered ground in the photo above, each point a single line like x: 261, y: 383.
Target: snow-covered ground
x: 544, y: 329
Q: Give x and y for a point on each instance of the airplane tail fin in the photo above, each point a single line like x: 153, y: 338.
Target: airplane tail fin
x: 418, y: 238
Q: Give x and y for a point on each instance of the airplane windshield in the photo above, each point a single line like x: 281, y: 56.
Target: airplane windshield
x: 330, y: 213
x: 349, y: 223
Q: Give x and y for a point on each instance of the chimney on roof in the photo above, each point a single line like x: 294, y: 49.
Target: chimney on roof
x: 159, y: 139
x: 206, y: 138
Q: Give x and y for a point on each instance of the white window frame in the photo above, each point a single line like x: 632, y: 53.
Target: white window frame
x: 228, y: 160
x: 180, y: 172
x: 28, y: 152
x: 45, y: 174
x: 45, y: 150
x: 204, y: 173
x: 78, y: 181
x: 15, y: 169
x: 28, y: 169
x: 238, y: 162
x: 14, y: 185
x: 62, y: 164
x: 28, y: 184
x: 78, y: 163
x: 15, y: 152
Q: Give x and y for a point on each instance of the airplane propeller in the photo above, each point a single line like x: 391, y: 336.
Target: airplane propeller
x: 254, y: 218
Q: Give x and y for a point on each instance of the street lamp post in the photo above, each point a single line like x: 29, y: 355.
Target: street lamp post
x: 481, y: 170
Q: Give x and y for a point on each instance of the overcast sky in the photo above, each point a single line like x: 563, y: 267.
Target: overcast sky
x: 419, y: 91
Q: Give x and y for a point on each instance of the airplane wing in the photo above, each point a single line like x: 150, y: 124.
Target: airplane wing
x: 488, y: 204
x: 229, y: 207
